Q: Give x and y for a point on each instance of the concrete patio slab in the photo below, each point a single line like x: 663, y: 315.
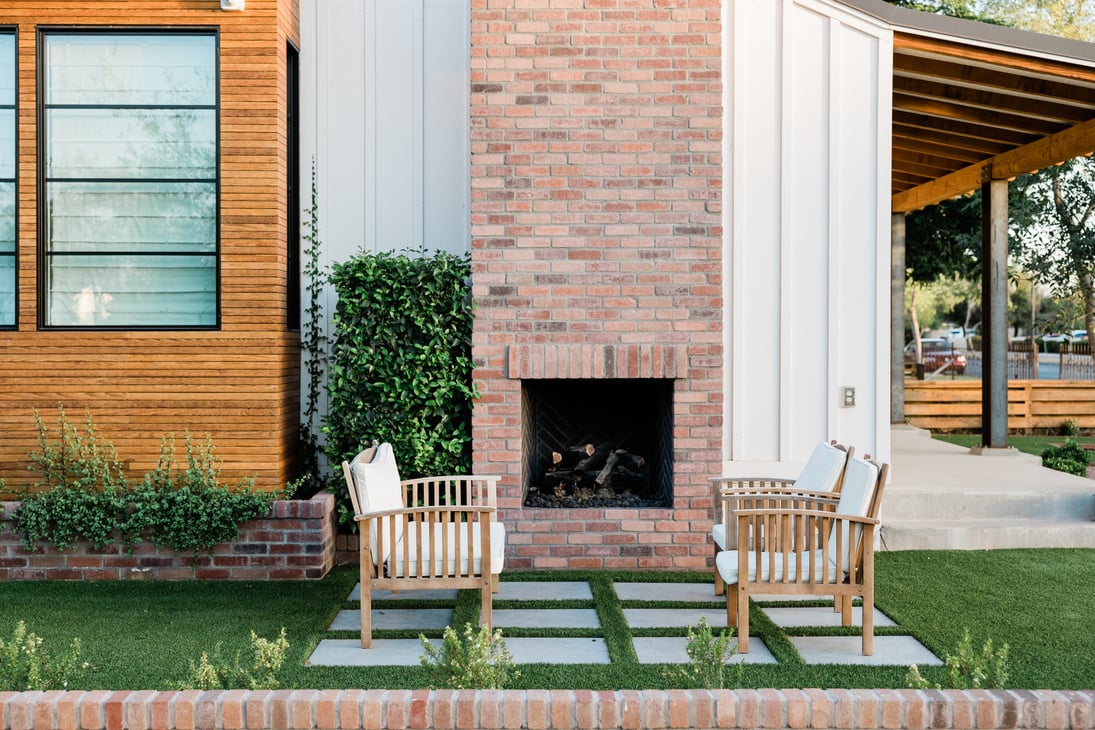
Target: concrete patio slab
x: 383, y: 652
x: 671, y: 650
x: 888, y: 650
x: 692, y: 592
x: 554, y: 618
x: 651, y: 618
x: 558, y: 651
x: 398, y: 618
x: 543, y: 591
x: 821, y: 616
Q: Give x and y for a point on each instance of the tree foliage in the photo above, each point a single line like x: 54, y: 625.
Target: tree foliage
x: 1053, y: 231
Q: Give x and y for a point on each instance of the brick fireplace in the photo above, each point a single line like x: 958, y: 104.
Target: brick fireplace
x: 597, y: 259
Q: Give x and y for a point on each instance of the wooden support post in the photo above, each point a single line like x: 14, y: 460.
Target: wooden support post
x: 994, y: 312
x: 897, y: 318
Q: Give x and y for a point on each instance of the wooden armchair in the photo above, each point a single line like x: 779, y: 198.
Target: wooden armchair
x: 436, y: 532
x: 820, y: 479
x: 803, y: 551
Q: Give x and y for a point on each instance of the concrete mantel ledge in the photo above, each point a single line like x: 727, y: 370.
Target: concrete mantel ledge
x: 544, y: 709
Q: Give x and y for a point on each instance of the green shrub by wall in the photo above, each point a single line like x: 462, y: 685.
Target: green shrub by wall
x: 400, y: 365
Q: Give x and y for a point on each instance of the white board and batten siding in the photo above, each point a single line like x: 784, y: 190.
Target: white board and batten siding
x: 807, y: 161
x: 384, y: 114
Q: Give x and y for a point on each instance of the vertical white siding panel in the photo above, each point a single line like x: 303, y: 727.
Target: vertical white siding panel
x: 806, y: 250
x: 808, y: 169
x: 392, y: 185
x: 385, y: 113
x: 447, y: 132
x: 860, y: 307
x: 755, y: 339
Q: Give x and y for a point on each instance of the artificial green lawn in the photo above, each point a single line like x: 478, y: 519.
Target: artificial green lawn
x: 141, y: 635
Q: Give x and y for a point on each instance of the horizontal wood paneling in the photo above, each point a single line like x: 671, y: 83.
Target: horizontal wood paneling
x: 1032, y: 404
x: 240, y: 385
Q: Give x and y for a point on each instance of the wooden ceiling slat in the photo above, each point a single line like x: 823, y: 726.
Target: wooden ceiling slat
x: 978, y: 149
x: 1008, y: 137
x: 967, y: 52
x: 994, y: 78
x: 923, y: 168
x: 1050, y: 111
x: 918, y: 155
x: 984, y: 117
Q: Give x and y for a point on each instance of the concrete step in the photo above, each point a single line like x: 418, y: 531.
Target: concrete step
x: 982, y: 534
x: 1029, y: 503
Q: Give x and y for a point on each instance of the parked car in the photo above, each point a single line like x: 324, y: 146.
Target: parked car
x: 1056, y: 337
x: 956, y: 332
x: 937, y: 351
x: 1079, y: 335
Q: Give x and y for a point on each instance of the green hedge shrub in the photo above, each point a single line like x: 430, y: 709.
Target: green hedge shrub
x: 1071, y: 458
x: 400, y: 367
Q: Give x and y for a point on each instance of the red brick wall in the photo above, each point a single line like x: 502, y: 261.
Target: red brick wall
x: 295, y: 542
x: 596, y: 209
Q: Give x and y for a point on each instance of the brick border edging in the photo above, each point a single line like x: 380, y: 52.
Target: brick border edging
x: 354, y: 709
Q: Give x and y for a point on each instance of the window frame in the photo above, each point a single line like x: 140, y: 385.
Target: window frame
x: 43, y: 252
x: 13, y: 31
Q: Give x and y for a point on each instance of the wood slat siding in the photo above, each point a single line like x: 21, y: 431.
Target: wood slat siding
x: 240, y: 385
x: 1032, y: 404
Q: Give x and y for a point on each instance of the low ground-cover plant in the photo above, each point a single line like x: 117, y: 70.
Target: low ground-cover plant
x: 477, y: 660
x: 967, y: 669
x: 25, y: 665
x: 184, y: 508
x: 708, y: 655
x: 1070, y: 457
x: 217, y: 672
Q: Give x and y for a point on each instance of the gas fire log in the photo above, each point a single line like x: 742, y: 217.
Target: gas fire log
x: 594, y: 469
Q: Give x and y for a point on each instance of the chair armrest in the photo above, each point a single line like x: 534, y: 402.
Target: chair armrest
x: 746, y: 514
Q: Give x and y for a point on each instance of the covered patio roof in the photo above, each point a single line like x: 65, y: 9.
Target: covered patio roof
x: 973, y: 100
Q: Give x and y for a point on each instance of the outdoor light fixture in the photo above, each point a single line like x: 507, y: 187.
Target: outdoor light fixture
x: 232, y: 4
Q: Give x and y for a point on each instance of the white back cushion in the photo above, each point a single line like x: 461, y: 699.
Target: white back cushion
x: 822, y: 469
x: 378, y: 490
x: 855, y: 499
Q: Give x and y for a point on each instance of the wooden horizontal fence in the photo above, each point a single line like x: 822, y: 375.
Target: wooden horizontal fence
x: 1032, y: 404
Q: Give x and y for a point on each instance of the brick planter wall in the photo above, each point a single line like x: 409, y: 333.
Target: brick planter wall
x: 296, y: 541
x: 352, y: 709
x: 597, y: 248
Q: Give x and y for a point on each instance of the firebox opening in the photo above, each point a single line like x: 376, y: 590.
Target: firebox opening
x: 598, y: 443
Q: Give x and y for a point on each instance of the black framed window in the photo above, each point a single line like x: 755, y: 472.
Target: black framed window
x: 7, y: 179
x: 128, y: 201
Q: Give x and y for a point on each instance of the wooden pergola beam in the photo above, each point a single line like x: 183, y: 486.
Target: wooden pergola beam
x: 1053, y: 150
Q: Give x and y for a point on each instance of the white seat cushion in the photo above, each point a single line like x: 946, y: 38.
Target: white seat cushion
x: 379, y: 490
x: 727, y: 565
x: 718, y: 534
x: 822, y: 470
x: 497, y: 546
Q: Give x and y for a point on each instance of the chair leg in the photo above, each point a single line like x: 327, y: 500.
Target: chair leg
x: 720, y: 585
x: 486, y: 607
x: 366, y: 605
x: 868, y: 625
x: 494, y: 583
x: 845, y: 610
x: 731, y: 605
x: 742, y: 599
